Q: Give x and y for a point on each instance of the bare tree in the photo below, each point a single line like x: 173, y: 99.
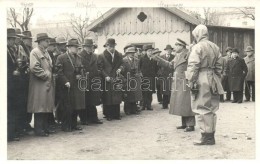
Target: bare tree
x: 211, y: 17
x: 22, y: 19
x: 79, y: 25
x: 248, y: 12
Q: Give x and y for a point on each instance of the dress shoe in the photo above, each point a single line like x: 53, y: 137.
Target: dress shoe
x: 189, y: 129
x: 84, y: 123
x: 234, y: 101
x: 160, y: 102
x: 165, y: 107
x: 66, y: 129
x: 227, y: 99
x: 247, y: 100
x: 118, y: 118
x: 239, y: 102
x: 143, y: 108
x: 149, y: 108
x: 50, y: 131
x: 97, y: 122
x: 42, y: 134
x: 180, y: 127
x: 77, y: 128
x: 109, y: 119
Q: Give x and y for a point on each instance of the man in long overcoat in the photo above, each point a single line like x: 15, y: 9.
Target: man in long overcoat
x: 204, y: 75
x: 110, y: 64
x: 164, y: 75
x: 12, y: 85
x: 70, y: 73
x: 92, y: 94
x: 149, y: 69
x: 133, y: 92
x: 250, y: 77
x: 41, y: 85
x: 236, y: 71
x: 180, y: 102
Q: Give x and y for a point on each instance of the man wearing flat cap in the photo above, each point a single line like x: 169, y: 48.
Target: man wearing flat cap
x: 12, y: 84
x: 92, y: 95
x: 133, y: 92
x: 41, y: 86
x: 236, y: 71
x: 110, y: 63
x: 250, y: 77
x: 70, y: 72
x: 149, y: 69
x: 180, y: 102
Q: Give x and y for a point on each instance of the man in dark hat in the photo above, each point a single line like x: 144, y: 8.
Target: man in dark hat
x: 133, y: 92
x: 71, y: 71
x: 236, y: 71
x: 224, y: 81
x: 41, y: 88
x: 12, y: 98
x: 27, y: 40
x: 22, y: 92
x: 149, y: 70
x: 250, y: 77
x: 61, y: 45
x: 52, y: 50
x: 165, y: 74
x: 92, y: 95
x: 110, y: 64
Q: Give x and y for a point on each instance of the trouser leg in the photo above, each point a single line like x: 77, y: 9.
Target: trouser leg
x: 165, y: 101
x: 83, y: 115
x: 207, y: 122
x: 74, y: 117
x: 127, y: 107
x: 247, y: 90
x: 91, y: 113
x: 159, y: 94
x: 51, y: 119
x: 149, y: 100
x: 183, y: 121
x: 190, y: 121
x: 222, y: 97
x: 253, y: 91
x: 144, y: 99
x: 235, y: 96
x: 39, y: 119
x: 240, y: 96
x: 10, y: 123
x: 133, y: 107
x: 228, y: 95
x: 116, y: 111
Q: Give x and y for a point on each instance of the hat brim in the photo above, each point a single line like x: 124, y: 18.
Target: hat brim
x: 105, y: 45
x: 157, y: 52
x: 42, y: 39
x: 73, y: 45
x: 130, y: 52
x: 249, y: 50
x: 88, y: 45
x: 168, y: 48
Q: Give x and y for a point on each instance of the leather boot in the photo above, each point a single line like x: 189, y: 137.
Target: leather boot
x: 206, y: 139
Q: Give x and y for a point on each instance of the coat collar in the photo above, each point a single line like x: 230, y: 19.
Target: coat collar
x: 247, y: 59
x: 180, y: 58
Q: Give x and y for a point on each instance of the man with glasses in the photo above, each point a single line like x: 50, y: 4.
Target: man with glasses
x: 41, y: 86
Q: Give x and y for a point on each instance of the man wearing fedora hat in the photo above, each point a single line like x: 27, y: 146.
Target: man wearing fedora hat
x: 70, y: 74
x: 92, y: 96
x: 110, y: 64
x: 149, y: 70
x: 236, y: 71
x: 132, y: 72
x: 27, y: 40
x: 250, y: 77
x: 41, y: 86
x: 166, y: 73
x: 12, y: 98
x: 224, y: 81
x: 61, y: 45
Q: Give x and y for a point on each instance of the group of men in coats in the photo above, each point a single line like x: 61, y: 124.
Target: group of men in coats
x: 57, y: 77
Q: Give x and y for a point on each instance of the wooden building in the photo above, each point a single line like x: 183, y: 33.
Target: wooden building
x: 159, y: 27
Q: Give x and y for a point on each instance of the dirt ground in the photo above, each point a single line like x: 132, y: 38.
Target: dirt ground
x: 150, y: 135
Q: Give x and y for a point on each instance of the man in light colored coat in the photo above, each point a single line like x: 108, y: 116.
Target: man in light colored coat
x: 204, y: 70
x: 41, y: 85
x: 250, y: 78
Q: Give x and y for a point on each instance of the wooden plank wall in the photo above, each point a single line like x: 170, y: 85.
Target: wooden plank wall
x: 232, y: 37
x: 159, y: 20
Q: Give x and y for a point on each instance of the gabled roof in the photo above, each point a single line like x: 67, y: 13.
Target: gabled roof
x: 111, y: 12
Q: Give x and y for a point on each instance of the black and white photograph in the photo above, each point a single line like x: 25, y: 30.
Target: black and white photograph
x: 128, y: 80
